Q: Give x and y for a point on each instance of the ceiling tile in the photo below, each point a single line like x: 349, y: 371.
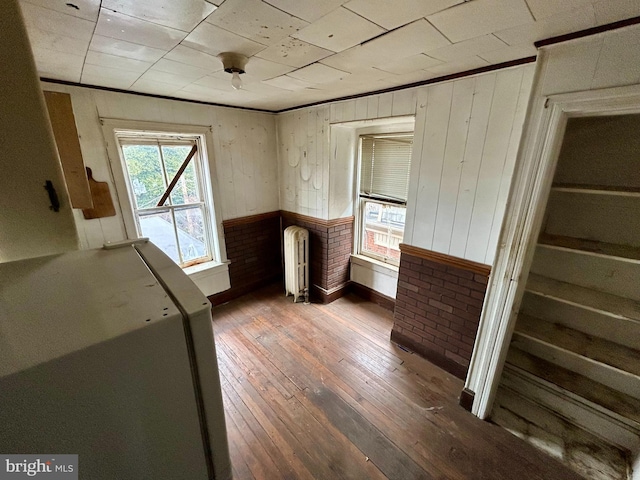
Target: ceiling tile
x: 262, y: 88
x: 52, y: 21
x: 110, y: 82
x: 211, y: 39
x: 57, y: 43
x: 609, y: 11
x: 417, y: 37
x: 179, y: 80
x: 112, y: 61
x: 131, y: 29
x: 469, y: 63
x: 507, y: 53
x: 155, y: 88
x: 306, y: 10
x: 179, y: 14
x: 391, y: 14
x: 87, y: 9
x: 264, y: 69
x: 255, y: 20
x: 318, y: 73
x: 58, y: 65
x: 546, y: 8
x: 112, y: 77
x: 287, y: 83
x: 410, y: 64
x: 473, y: 46
x: 121, y: 48
x: 177, y: 68
x: 190, y: 56
x: 294, y: 52
x: 480, y: 17
x: 211, y: 82
x: 339, y: 30
x: 352, y: 59
x: 549, y: 27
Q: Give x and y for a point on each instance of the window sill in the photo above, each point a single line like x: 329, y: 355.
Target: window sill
x: 374, y: 264
x: 206, y: 267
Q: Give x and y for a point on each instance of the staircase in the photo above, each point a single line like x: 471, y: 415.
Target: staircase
x: 571, y: 382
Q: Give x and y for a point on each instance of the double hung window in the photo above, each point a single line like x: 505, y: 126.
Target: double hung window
x: 168, y: 193
x: 385, y: 160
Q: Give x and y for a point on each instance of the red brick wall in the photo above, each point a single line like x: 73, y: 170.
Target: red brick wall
x: 253, y: 249
x: 437, y: 311
x: 330, y: 244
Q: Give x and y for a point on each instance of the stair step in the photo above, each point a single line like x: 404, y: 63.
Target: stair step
x: 592, y: 246
x: 612, y: 275
x: 604, y: 351
x: 625, y: 406
x: 595, y: 300
x: 605, y: 218
x: 587, y: 453
x: 605, y: 362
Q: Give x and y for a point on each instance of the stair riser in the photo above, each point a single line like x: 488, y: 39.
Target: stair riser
x: 609, y: 376
x: 615, y: 329
x: 607, y: 274
x: 605, y: 218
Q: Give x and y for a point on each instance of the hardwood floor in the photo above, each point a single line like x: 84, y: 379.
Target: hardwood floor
x: 319, y: 391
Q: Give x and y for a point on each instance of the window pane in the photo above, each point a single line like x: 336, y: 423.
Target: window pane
x: 145, y: 172
x: 382, y: 230
x: 186, y: 190
x: 191, y: 233
x: 159, y: 228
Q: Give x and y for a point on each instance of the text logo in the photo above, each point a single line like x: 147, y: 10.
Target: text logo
x: 45, y: 467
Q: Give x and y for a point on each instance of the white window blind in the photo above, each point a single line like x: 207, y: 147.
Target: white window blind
x: 384, y: 166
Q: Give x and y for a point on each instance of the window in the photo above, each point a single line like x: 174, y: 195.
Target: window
x: 384, y: 183
x: 166, y: 182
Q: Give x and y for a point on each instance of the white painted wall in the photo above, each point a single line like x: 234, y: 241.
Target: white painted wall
x: 28, y: 228
x: 243, y: 161
x: 467, y: 133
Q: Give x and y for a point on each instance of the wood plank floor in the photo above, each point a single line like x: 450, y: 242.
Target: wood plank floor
x: 319, y: 391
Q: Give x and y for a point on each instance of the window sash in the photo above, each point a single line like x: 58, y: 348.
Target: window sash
x: 130, y: 139
x: 385, y: 162
x: 389, y: 230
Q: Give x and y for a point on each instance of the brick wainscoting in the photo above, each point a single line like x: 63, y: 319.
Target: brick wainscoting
x: 253, y: 250
x: 438, y: 306
x: 330, y: 244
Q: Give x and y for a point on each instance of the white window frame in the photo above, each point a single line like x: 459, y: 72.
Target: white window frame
x: 360, y: 200
x: 113, y: 128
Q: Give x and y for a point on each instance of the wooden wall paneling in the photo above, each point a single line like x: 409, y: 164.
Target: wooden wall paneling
x: 618, y: 60
x: 349, y: 111
x: 572, y: 66
x: 493, y: 159
x: 385, y: 105
x: 325, y: 131
x: 236, y: 147
x: 512, y: 152
x: 372, y: 106
x: 482, y: 99
x: 404, y: 102
x: 63, y: 124
x: 361, y: 108
x: 336, y: 112
x: 434, y: 143
x: 321, y: 133
x: 225, y: 153
x: 250, y: 156
x: 457, y: 134
x: 422, y: 97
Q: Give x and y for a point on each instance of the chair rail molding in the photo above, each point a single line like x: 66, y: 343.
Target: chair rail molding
x: 544, y: 131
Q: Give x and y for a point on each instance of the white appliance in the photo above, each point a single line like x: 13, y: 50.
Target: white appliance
x: 109, y: 354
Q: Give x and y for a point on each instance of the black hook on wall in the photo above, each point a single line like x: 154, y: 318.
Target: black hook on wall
x: 53, y: 196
